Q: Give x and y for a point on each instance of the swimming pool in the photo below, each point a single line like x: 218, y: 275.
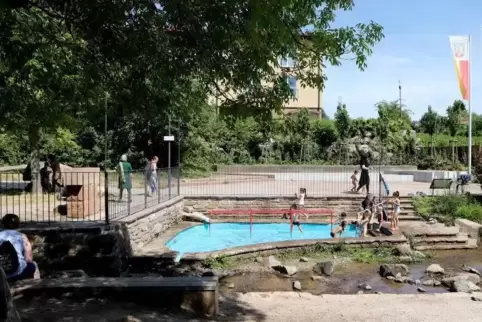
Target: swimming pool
x: 226, y: 235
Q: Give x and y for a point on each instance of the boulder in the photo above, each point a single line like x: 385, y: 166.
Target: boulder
x: 8, y: 312
x: 463, y: 276
x: 325, y: 268
x: 272, y: 261
x: 471, y: 270
x: 464, y: 286
x: 297, y: 285
x: 316, y: 278
x: 287, y: 270
x: 304, y: 259
x: 403, y: 250
x: 405, y: 259
x: 421, y: 289
x: 476, y: 298
x: 435, y: 269
x: 393, y: 269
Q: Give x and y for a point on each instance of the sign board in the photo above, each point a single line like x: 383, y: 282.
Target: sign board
x: 169, y: 138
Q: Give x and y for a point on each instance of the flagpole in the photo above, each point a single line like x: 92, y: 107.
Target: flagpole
x: 470, y: 108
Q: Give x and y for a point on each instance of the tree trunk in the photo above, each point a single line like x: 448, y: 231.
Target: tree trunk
x: 453, y: 151
x: 34, y: 140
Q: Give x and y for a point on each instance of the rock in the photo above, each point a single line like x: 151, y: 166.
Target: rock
x: 304, y: 259
x: 428, y: 283
x: 421, y: 290
x: 297, y: 285
x: 435, y: 269
x: 392, y: 270
x: 464, y: 276
x: 316, y: 278
x: 400, y: 280
x: 398, y: 275
x: 68, y: 274
x: 360, y: 292
x: 325, y: 268
x: 411, y: 281
x: 230, y: 285
x: 130, y: 318
x: 405, y: 259
x: 378, y: 293
x: 477, y: 298
x: 437, y: 283
x: 287, y: 270
x: 272, y: 261
x: 8, y: 312
x: 260, y: 260
x: 188, y: 209
x: 365, y: 287
x: 471, y: 270
x: 464, y: 286
x: 403, y: 250
x: 390, y: 277
x: 417, y: 282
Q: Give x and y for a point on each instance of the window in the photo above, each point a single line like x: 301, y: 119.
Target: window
x: 292, y: 85
x: 287, y: 62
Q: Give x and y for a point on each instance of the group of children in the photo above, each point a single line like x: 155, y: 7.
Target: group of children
x: 369, y: 211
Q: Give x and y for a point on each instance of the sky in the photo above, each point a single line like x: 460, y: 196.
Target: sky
x: 415, y: 51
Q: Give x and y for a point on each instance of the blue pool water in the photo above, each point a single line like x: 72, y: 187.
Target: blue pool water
x: 226, y: 235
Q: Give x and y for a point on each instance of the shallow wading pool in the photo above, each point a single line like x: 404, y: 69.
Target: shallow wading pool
x: 217, y: 236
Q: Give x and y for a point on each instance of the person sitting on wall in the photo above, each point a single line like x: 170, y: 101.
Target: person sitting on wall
x: 16, y: 251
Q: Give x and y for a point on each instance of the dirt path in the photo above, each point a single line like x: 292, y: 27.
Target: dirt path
x: 290, y: 306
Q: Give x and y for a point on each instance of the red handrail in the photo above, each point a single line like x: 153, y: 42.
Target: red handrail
x: 267, y: 211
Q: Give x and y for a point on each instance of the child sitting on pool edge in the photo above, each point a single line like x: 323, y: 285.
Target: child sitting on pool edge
x: 342, y: 225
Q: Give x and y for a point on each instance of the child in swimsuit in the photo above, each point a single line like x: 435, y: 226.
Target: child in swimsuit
x: 354, y: 181
x: 296, y: 222
x: 341, y: 227
x: 396, y: 210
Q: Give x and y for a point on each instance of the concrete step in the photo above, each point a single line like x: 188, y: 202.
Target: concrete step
x: 422, y: 229
x: 471, y: 243
x: 459, y: 239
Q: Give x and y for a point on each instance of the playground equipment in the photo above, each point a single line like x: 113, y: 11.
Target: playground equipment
x: 267, y: 211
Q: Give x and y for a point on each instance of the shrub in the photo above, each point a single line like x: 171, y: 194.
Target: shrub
x: 471, y: 212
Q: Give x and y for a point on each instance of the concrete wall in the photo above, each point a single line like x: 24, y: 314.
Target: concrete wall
x: 239, y: 169
x: 426, y: 175
x: 98, y: 249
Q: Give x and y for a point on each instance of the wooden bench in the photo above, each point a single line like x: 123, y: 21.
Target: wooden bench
x: 197, y: 294
x: 441, y: 184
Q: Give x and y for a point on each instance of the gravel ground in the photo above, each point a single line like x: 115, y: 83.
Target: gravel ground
x: 290, y: 306
x: 275, y: 306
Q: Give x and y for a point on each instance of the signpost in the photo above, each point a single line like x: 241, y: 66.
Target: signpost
x: 169, y: 138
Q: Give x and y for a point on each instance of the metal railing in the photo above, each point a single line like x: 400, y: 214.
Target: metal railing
x: 84, y: 196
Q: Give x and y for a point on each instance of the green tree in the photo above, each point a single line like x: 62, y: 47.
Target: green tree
x: 430, y: 123
x: 454, y: 117
x: 342, y: 121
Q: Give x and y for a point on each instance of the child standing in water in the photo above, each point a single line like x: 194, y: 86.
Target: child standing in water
x: 354, y: 181
x: 301, y: 200
x: 395, y: 201
x: 341, y: 221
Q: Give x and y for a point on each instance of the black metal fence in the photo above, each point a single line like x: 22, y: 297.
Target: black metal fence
x: 88, y: 196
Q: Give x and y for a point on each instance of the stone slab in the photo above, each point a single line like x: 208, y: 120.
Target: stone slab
x: 472, y: 228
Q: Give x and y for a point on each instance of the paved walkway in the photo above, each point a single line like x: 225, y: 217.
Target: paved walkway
x: 280, y: 307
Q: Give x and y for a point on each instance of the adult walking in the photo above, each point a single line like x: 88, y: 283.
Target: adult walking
x: 124, y: 170
x: 151, y: 176
x: 364, y: 174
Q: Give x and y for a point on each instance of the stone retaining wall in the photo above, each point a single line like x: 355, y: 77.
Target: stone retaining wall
x: 99, y: 249
x: 146, y: 225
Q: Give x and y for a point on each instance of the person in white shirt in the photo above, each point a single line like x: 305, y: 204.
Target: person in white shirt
x: 301, y: 200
